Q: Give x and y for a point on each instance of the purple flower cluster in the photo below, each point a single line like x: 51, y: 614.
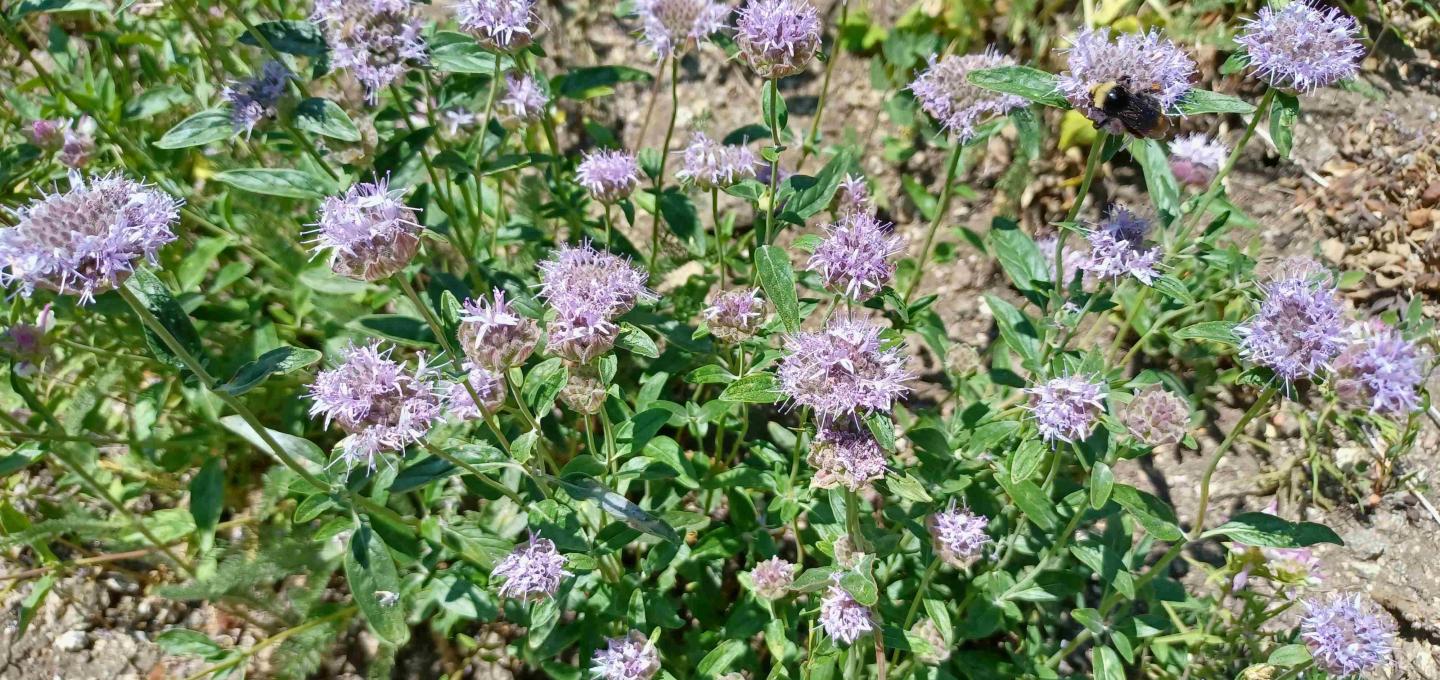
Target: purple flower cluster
x: 673, y: 27
x: 1065, y: 408
x: 735, y: 315
x: 608, y: 174
x: 632, y: 657
x: 588, y: 289
x: 1302, y: 46
x: 844, y: 619
x: 86, y: 240
x: 852, y: 196
x: 382, y: 404
x: 254, y: 99
x: 483, y: 383
x: 532, y: 571
x: 369, y: 231
x: 1380, y: 369
x: 711, y: 165
x: 1196, y: 159
x: 25, y: 343
x: 1156, y: 417
x: 1143, y: 62
x: 495, y: 336
x: 74, y: 140
x: 523, y: 103
x: 501, y: 25
x: 945, y: 92
x: 771, y: 579
x: 376, y: 40
x: 778, y: 37
x: 48, y: 134
x: 1073, y: 261
x: 959, y: 535
x: 842, y: 370
x: 854, y: 257
x: 1300, y: 326
x: 1348, y: 634
x: 1288, y: 566
x: 1117, y: 247
x: 845, y: 457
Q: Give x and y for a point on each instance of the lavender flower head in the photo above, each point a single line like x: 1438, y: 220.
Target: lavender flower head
x: 854, y: 257
x: 86, y: 240
x: 959, y: 535
x: 578, y: 278
x: 368, y: 231
x: 852, y: 196
x: 1117, y: 247
x: 842, y: 370
x: 778, y: 37
x: 1156, y: 417
x: 523, y: 103
x: 501, y: 25
x: 1196, y: 159
x: 632, y: 657
x: 1065, y: 408
x: 771, y: 579
x: 945, y: 92
x: 533, y: 571
x: 1291, y: 567
x: 26, y: 345
x: 1380, y: 369
x: 609, y: 175
x: 672, y: 27
x: 1348, y: 634
x: 483, y: 383
x: 255, y: 99
x: 48, y: 134
x: 1073, y: 261
x: 494, y: 336
x: 582, y: 336
x: 844, y: 619
x: 845, y: 457
x: 711, y: 165
x: 376, y: 40
x: 1142, y: 62
x: 1300, y: 326
x: 735, y: 315
x: 1302, y: 46
x: 382, y: 404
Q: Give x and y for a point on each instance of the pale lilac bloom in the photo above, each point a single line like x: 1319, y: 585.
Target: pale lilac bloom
x: 455, y: 120
x: 1074, y: 260
x: 376, y: 40
x: 672, y: 27
x: 608, y: 174
x: 852, y: 196
x: 711, y: 165
x: 1156, y: 417
x: 501, y: 25
x: 495, y: 336
x: 842, y: 370
x: 382, y: 404
x: 1196, y: 159
x: 855, y: 256
x: 255, y: 99
x: 1300, y: 326
x: 1066, y: 408
x: 845, y: 457
x: 86, y: 240
x: 842, y: 618
x: 581, y: 278
x: 945, y: 92
x: 533, y: 571
x: 778, y: 38
x: 735, y: 315
x: 1290, y: 567
x: 1380, y: 369
x: 26, y: 344
x: 523, y: 103
x: 1142, y: 62
x: 48, y: 134
x: 581, y: 336
x: 78, y: 144
x: 368, y: 231
x: 488, y: 385
x: 1302, y: 46
x: 1118, y: 249
x: 959, y: 535
x: 771, y: 579
x: 1348, y: 634
x: 632, y: 657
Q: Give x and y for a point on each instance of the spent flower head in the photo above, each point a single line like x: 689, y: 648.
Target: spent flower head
x: 1142, y: 62
x: 938, y: 648
x: 86, y: 240
x: 1196, y: 159
x: 532, y: 571
x: 778, y: 38
x: 501, y: 25
x: 255, y: 99
x: 959, y: 535
x: 711, y: 165
x: 583, y: 390
x: 632, y: 657
x: 1300, y: 326
x: 1380, y: 369
x: 1117, y: 247
x: 608, y: 174
x: 945, y: 92
x: 771, y: 579
x: 845, y: 457
x: 523, y: 103
x: 854, y: 258
x: 735, y: 315
x: 1348, y: 634
x: 376, y: 40
x: 1065, y: 408
x: 844, y: 619
x: 368, y: 231
x: 673, y: 27
x: 1156, y: 417
x: 494, y: 335
x: 1302, y: 46
x: 382, y: 404
x: 842, y: 370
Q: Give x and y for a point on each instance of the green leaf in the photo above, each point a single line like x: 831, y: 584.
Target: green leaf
x: 155, y: 101
x: 375, y: 585
x: 772, y: 106
x: 1155, y: 515
x: 814, y: 579
x: 1102, y: 481
x: 1033, y: 84
x: 595, y: 81
x: 1173, y: 288
x: 279, y: 361
x: 1018, y: 255
x: 1026, y: 459
x: 152, y: 294
x: 303, y: 450
x: 32, y: 603
x: 619, y: 507
x: 710, y: 374
x: 1288, y: 656
x: 1019, y: 332
x: 207, y: 501
x: 1107, y: 665
x: 908, y: 487
x: 27, y: 7
x: 400, y: 328
x: 1031, y: 501
x: 860, y: 584
x: 802, y: 197
x: 1164, y: 190
x: 1197, y: 101
x: 721, y: 658
x: 454, y: 52
x: 285, y: 182
x: 1284, y: 111
x: 543, y: 384
x: 636, y: 341
x: 185, y: 642
x: 756, y: 388
x: 326, y: 118
x: 300, y: 38
x: 1235, y: 63
x: 1222, y: 332
x: 1268, y: 531
x: 205, y: 127
x: 778, y: 280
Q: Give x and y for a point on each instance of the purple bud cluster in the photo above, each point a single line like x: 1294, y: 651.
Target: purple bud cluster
x: 368, y: 231
x: 376, y: 40
x: 501, y: 25
x: 532, y: 571
x: 632, y: 657
x: 845, y: 457
x: 944, y: 91
x: 588, y: 289
x: 609, y: 175
x: 959, y: 535
x: 1380, y: 369
x: 842, y: 618
x: 735, y: 315
x: 1065, y: 408
x: 673, y: 27
x: 854, y: 257
x: 1144, y: 62
x: 1196, y: 159
x: 1302, y: 46
x: 711, y: 165
x: 255, y: 99
x: 1117, y: 248
x: 1348, y: 634
x: 842, y: 370
x: 379, y: 402
x: 771, y: 579
x: 1300, y: 326
x: 778, y: 38
x: 1155, y: 417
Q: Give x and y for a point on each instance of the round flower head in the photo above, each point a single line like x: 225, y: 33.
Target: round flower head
x: 939, y: 648
x: 494, y: 336
x: 379, y: 402
x: 771, y: 579
x: 533, y: 571
x: 959, y: 535
x: 1301, y: 46
x: 485, y: 384
x: 609, y: 175
x: 78, y: 144
x: 254, y: 99
x: 854, y: 257
x: 1348, y: 634
x: 671, y: 27
x: 501, y: 25
x: 1156, y: 417
x: 376, y: 40
x: 86, y: 240
x: 844, y: 619
x: 1195, y: 159
x: 1300, y: 327
x: 1380, y: 369
x: 778, y: 37
x: 369, y: 231
x: 583, y: 391
x: 582, y: 279
x: 945, y: 92
x: 1144, y: 63
x: 524, y: 102
x: 842, y: 370
x: 48, y: 134
x: 1074, y: 260
x: 632, y: 657
x: 1117, y: 248
x: 852, y: 196
x: 26, y: 345
x: 735, y: 315
x: 711, y: 165
x: 845, y: 457
x: 1065, y: 408
x: 582, y: 336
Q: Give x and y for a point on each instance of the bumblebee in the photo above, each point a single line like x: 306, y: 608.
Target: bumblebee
x: 1137, y: 111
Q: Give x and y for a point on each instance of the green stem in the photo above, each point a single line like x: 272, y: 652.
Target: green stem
x: 925, y: 580
x: 475, y: 472
x: 480, y: 160
x: 1217, y: 182
x: 441, y: 193
x: 664, y: 156
x: 952, y: 168
x: 244, y: 656
x: 720, y: 244
x: 1092, y: 164
x: 1260, y: 403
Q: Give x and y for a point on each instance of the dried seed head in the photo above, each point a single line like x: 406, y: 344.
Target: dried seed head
x: 939, y: 648
x: 778, y: 37
x: 584, y: 391
x: 1156, y: 417
x: 368, y: 231
x: 1302, y: 46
